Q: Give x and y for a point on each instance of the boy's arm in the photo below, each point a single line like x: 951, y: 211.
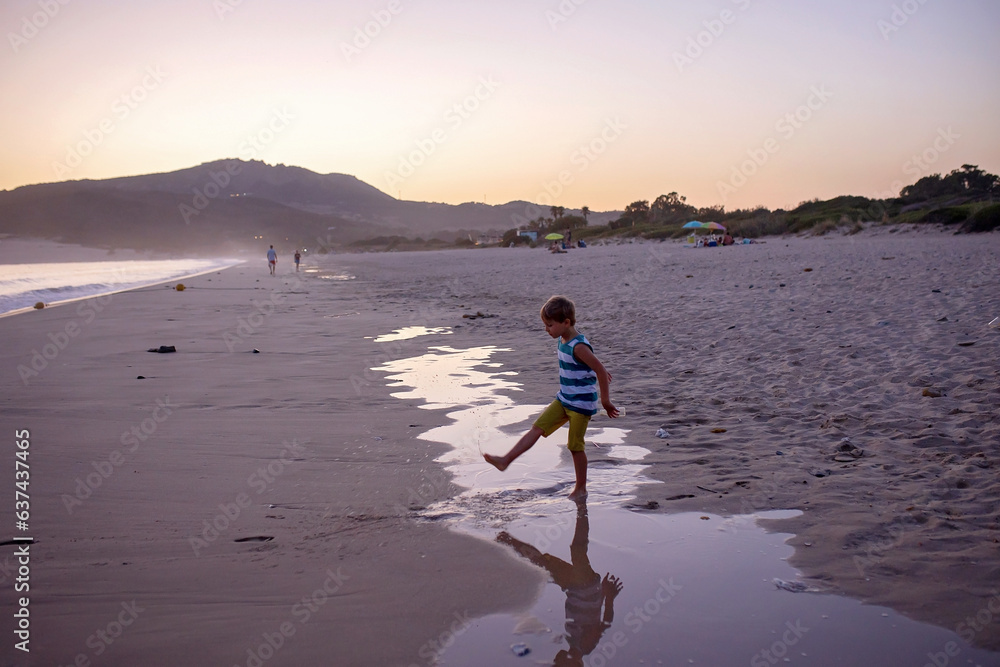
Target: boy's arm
x: 610, y: 587
x: 587, y: 356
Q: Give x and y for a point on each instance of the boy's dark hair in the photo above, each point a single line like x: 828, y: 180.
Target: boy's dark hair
x: 559, y: 309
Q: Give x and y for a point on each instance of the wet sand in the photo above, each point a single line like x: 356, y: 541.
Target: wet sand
x: 231, y: 502
x: 758, y: 361
x: 305, y: 441
x: 679, y: 588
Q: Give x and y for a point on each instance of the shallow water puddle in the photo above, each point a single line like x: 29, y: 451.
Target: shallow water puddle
x: 406, y: 333
x: 628, y: 587
x: 467, y: 383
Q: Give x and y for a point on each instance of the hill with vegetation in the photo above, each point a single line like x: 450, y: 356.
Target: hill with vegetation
x: 965, y: 199
x: 230, y: 205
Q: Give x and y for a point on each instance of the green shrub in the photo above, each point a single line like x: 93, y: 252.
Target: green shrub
x: 951, y: 215
x: 822, y: 228
x: 662, y: 233
x: 758, y: 226
x: 596, y: 231
x: 984, y: 220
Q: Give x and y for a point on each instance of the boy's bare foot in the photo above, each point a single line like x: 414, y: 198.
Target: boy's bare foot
x: 578, y: 494
x: 496, y: 461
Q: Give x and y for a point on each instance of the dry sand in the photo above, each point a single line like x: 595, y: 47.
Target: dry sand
x: 793, y: 364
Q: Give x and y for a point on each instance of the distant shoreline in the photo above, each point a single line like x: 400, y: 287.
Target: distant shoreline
x: 31, y: 253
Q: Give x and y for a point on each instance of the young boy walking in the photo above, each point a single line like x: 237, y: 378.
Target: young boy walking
x: 581, y: 374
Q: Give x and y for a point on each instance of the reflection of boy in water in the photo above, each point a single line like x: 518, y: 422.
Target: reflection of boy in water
x: 585, y: 591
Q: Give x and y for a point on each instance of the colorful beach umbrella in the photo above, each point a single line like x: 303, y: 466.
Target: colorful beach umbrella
x: 694, y: 224
x: 714, y: 225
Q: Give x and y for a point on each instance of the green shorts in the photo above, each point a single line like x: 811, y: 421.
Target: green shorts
x: 555, y: 416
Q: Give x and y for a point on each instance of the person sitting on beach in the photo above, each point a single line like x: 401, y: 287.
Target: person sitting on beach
x: 727, y: 239
x: 580, y: 375
x: 272, y: 259
x: 586, y: 592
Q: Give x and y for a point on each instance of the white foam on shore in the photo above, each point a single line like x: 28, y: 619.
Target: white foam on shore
x: 53, y: 283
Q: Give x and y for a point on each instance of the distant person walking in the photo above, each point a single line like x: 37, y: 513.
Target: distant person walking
x: 272, y: 259
x: 298, y: 256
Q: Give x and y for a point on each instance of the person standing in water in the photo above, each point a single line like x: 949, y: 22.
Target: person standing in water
x: 581, y: 375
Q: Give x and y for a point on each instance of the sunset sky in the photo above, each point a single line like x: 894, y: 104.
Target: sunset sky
x: 578, y: 102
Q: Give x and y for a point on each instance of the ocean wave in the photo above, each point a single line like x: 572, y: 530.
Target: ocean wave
x: 24, y: 285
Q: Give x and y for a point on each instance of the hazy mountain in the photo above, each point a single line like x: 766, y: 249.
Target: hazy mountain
x: 226, y: 204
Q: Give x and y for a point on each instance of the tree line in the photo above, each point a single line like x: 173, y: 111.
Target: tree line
x: 965, y: 196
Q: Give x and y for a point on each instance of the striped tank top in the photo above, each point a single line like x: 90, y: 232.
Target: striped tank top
x: 577, y: 382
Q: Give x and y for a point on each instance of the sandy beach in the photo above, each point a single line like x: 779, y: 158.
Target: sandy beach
x: 230, y: 501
